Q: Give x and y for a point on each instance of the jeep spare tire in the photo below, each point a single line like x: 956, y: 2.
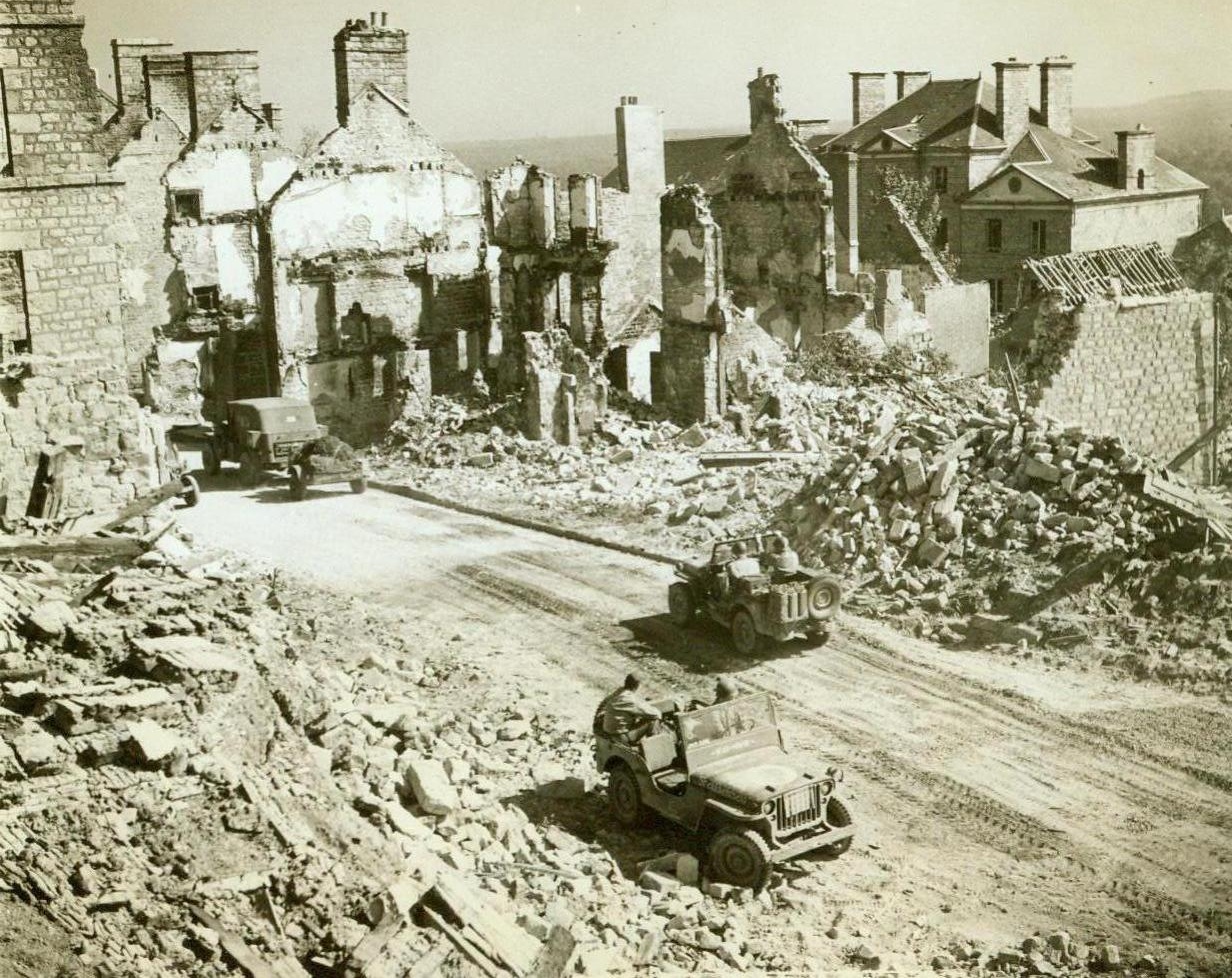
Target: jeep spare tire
x: 740, y: 858
x: 824, y: 596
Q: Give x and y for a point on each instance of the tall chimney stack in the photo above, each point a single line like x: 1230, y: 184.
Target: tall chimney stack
x: 1013, y: 99
x: 868, y: 95
x: 1057, y: 94
x: 1136, y: 159
x: 366, y: 52
x: 906, y: 82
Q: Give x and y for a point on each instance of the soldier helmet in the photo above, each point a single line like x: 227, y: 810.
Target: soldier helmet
x: 725, y: 689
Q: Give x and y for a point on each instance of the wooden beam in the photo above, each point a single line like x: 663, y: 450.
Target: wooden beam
x: 45, y: 548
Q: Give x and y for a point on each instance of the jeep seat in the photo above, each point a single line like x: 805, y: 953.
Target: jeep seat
x: 659, y: 751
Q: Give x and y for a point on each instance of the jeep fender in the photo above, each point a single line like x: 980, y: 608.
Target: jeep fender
x: 735, y: 814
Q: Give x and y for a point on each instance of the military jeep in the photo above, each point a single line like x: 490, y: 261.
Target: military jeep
x: 771, y: 604
x: 723, y: 771
x: 261, y: 434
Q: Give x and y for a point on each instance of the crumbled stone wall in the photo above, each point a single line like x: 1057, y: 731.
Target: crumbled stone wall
x: 1143, y: 369
x: 778, y: 232
x: 565, y: 392
x: 166, y: 86
x: 633, y: 271
x: 80, y: 401
x: 150, y: 293
x: 215, y: 79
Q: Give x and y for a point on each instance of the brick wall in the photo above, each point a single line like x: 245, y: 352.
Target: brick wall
x: 691, y: 381
x: 366, y: 53
x: 1143, y: 370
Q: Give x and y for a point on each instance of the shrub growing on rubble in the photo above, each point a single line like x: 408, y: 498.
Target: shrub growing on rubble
x: 839, y: 359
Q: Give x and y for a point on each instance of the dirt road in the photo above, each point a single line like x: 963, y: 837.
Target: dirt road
x: 994, y: 798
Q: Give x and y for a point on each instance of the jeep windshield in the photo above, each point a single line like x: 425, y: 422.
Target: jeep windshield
x: 726, y: 721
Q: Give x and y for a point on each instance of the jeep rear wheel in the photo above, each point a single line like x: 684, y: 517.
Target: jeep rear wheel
x: 210, y: 461
x: 359, y: 485
x: 744, y: 633
x: 250, y: 470
x: 680, y: 606
x: 625, y: 797
x: 839, y: 817
x: 824, y: 597
x: 741, y: 858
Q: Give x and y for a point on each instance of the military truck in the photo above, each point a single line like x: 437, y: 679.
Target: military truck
x: 723, y: 771
x: 772, y: 604
x: 261, y: 434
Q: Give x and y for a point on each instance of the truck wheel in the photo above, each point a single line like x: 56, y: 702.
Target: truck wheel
x: 839, y: 817
x: 741, y: 858
x: 298, y: 488
x: 824, y: 596
x: 625, y: 797
x: 359, y: 485
x: 744, y: 633
x: 192, y: 492
x: 210, y: 460
x: 250, y: 470
x: 680, y: 606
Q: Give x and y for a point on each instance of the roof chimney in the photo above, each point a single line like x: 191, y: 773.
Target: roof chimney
x: 1013, y: 99
x: 1057, y: 94
x: 764, y: 102
x: 1136, y: 159
x: 363, y: 53
x: 128, y: 56
x: 907, y: 82
x: 867, y: 95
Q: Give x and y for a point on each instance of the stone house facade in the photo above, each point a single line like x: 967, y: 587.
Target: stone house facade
x: 1013, y: 181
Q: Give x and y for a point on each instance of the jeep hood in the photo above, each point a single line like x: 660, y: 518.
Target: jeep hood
x: 757, y: 776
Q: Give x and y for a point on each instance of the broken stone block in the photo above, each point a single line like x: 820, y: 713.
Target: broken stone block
x: 657, y: 882
x: 513, y: 730
x: 931, y: 553
x: 943, y: 478
x: 482, y: 460
x: 1037, y: 468
x: 692, y: 437
x: 50, y: 620
x: 427, y: 782
x: 563, y: 789
x: 914, y: 478
x: 151, y: 742
x: 36, y: 750
x: 688, y: 870
x: 623, y: 456
x: 715, y: 505
x: 600, y: 484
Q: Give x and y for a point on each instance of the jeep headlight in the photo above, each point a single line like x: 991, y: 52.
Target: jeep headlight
x: 836, y: 773
x: 768, y: 807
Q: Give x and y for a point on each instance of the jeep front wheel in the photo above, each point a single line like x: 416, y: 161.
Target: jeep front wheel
x: 250, y: 470
x: 744, y: 633
x: 839, y: 818
x: 680, y: 607
x: 625, y: 797
x: 741, y: 858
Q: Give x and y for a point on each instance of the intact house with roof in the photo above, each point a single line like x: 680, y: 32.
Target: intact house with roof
x: 1014, y: 181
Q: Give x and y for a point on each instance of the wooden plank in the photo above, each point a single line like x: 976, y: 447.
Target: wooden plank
x: 431, y: 964
x: 185, y: 487
x: 465, y: 946
x: 511, y: 945
x: 245, y: 958
x: 44, y: 548
x: 724, y: 460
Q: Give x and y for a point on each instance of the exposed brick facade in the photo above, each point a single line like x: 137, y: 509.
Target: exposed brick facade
x: 1143, y: 369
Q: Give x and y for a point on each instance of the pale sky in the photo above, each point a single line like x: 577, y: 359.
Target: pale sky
x: 494, y: 69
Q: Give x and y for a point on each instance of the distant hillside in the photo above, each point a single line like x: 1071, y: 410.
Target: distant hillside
x: 1194, y: 131
x: 559, y: 155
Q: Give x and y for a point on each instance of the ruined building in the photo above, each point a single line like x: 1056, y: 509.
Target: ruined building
x: 65, y: 412
x: 376, y: 274
x: 580, y: 274
x: 1014, y: 181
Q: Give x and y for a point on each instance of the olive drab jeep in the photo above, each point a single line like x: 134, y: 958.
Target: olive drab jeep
x: 770, y: 604
x: 261, y: 434
x: 723, y: 771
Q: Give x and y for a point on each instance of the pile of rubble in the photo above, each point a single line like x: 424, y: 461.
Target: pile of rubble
x: 938, y: 501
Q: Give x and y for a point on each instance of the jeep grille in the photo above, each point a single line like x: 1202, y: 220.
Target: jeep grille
x: 791, y: 603
x: 799, y: 808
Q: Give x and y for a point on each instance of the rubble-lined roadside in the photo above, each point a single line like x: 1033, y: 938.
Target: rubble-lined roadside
x: 942, y: 505
x: 212, y: 770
